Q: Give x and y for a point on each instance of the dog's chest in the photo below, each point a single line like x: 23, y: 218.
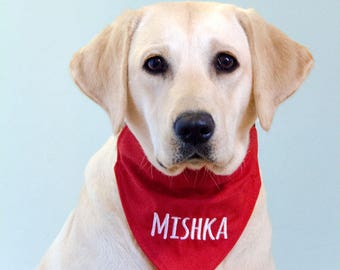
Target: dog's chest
x: 192, y: 220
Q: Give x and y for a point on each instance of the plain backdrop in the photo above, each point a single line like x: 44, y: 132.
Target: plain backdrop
x: 49, y: 129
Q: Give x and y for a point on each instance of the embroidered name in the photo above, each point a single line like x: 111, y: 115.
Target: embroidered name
x: 183, y: 228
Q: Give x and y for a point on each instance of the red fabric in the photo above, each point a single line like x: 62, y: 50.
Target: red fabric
x: 189, y: 221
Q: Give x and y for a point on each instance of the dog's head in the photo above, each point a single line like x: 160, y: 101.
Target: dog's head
x: 190, y: 79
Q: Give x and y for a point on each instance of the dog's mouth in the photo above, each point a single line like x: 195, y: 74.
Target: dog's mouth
x: 192, y: 164
x: 197, y: 153
x: 194, y: 158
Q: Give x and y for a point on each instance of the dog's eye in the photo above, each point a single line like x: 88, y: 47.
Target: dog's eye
x: 225, y: 63
x: 156, y: 65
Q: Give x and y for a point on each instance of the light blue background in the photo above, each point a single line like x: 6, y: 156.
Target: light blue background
x: 49, y: 129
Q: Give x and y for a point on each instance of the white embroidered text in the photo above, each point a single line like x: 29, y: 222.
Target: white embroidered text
x: 184, y: 228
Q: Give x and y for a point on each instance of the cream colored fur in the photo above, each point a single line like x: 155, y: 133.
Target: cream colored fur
x: 110, y: 71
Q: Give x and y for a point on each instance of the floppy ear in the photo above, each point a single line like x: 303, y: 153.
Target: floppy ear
x: 100, y: 68
x: 279, y: 64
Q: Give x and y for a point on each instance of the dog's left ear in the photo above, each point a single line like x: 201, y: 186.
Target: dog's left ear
x: 279, y: 64
x: 100, y: 69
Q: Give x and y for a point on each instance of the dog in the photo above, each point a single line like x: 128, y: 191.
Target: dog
x: 183, y: 84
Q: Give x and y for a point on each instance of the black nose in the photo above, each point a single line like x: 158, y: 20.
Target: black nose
x: 194, y: 127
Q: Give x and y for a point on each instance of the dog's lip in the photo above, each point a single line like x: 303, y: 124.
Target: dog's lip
x: 195, y: 159
x: 177, y: 168
x: 192, y: 164
x: 161, y: 164
x: 218, y: 168
x: 195, y: 156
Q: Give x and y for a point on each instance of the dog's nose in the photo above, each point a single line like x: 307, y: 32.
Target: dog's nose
x: 194, y: 127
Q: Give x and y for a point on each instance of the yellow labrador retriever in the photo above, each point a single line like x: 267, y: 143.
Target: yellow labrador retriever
x: 188, y: 80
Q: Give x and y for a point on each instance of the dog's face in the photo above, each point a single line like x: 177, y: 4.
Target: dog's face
x: 190, y: 83
x: 190, y: 80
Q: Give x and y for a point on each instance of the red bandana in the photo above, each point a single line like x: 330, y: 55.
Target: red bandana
x: 190, y: 221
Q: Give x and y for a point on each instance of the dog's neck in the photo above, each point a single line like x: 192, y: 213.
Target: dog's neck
x: 189, y: 182
x: 172, y: 218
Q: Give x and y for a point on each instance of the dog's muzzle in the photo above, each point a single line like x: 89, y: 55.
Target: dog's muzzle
x: 193, y: 131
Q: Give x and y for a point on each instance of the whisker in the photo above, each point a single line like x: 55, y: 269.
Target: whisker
x: 205, y: 173
x: 211, y: 175
x: 186, y: 177
x: 195, y: 180
x: 171, y: 181
x: 151, y: 171
x: 143, y: 162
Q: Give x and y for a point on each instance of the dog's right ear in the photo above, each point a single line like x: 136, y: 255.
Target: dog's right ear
x: 100, y: 69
